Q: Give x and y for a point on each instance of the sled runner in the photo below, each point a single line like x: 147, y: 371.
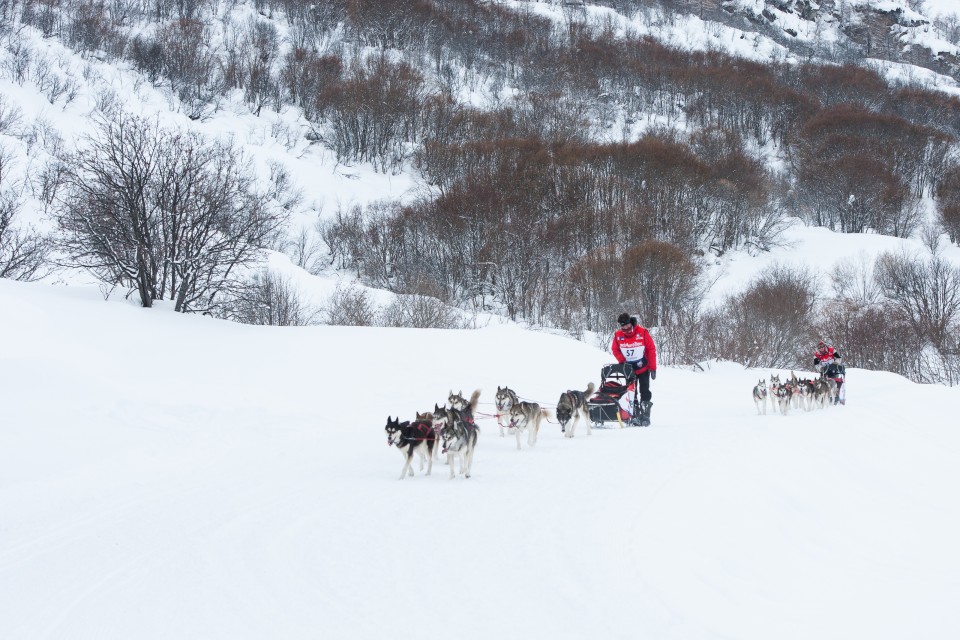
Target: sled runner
x: 615, y: 400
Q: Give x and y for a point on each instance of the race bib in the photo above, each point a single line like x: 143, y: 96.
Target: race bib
x: 633, y: 353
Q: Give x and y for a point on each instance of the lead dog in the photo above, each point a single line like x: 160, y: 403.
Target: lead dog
x: 505, y: 399
x: 416, y: 438
x: 526, y: 416
x: 571, y: 407
x: 760, y: 397
x: 781, y: 394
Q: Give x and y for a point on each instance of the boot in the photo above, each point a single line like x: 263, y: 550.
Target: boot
x: 636, y: 419
x: 645, y: 413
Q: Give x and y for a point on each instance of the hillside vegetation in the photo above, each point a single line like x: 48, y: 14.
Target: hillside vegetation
x: 571, y: 165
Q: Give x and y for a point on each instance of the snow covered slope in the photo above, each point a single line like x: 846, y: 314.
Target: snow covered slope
x: 168, y: 476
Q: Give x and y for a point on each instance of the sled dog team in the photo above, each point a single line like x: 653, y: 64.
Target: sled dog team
x: 799, y: 393
x: 452, y: 429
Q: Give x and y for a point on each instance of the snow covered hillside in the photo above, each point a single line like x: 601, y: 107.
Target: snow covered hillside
x: 171, y: 476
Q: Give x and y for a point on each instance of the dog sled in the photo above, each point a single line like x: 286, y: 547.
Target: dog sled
x: 615, y: 402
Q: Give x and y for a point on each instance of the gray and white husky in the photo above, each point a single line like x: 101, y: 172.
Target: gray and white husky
x: 458, y: 402
x: 416, y: 438
x: 458, y: 433
x: 760, y: 397
x: 571, y: 407
x: 505, y: 399
x: 824, y: 392
x: 526, y: 416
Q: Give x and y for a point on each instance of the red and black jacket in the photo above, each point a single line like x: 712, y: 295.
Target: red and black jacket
x: 636, y: 347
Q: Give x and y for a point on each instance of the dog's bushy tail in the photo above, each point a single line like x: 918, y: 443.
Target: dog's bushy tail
x: 474, y: 401
x: 590, y: 389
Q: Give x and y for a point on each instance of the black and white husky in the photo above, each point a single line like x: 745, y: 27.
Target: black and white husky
x: 781, y: 394
x: 505, y: 399
x: 571, y: 407
x: 458, y: 433
x: 412, y: 438
x: 526, y: 416
x: 760, y: 397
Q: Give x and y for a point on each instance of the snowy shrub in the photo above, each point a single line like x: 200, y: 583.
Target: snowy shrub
x: 270, y: 299
x: 420, y: 312
x: 351, y: 306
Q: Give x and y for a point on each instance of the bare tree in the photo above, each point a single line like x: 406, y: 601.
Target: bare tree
x: 166, y: 213
x: 770, y: 323
x: 23, y: 251
x: 305, y: 249
x: 374, y: 113
x: 271, y: 299
x: 948, y: 203
x: 11, y: 118
x: 251, y: 57
x: 853, y: 280
x: 180, y: 53
x: 927, y: 292
x: 662, y: 281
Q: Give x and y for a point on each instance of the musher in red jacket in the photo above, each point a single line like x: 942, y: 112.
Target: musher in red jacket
x: 828, y: 362
x: 634, y: 344
x: 823, y: 356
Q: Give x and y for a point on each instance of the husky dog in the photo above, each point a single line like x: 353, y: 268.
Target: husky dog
x: 459, y: 403
x: 806, y: 394
x: 832, y: 390
x: 458, y: 433
x: 526, y: 416
x: 774, y: 383
x: 796, y: 398
x: 821, y: 393
x: 781, y: 394
x: 427, y: 417
x: 417, y: 438
x: 760, y: 397
x: 505, y: 399
x: 571, y: 407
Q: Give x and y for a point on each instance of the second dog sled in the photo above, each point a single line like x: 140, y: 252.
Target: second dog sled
x: 615, y: 402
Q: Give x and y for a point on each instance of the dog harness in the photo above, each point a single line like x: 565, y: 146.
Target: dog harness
x: 423, y: 429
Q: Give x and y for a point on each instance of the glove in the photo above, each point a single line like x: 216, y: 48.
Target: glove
x: 816, y: 361
x: 653, y: 374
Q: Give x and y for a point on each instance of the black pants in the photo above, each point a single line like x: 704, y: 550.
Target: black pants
x: 643, y: 386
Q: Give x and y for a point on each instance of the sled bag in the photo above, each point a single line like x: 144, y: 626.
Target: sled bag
x: 612, y: 400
